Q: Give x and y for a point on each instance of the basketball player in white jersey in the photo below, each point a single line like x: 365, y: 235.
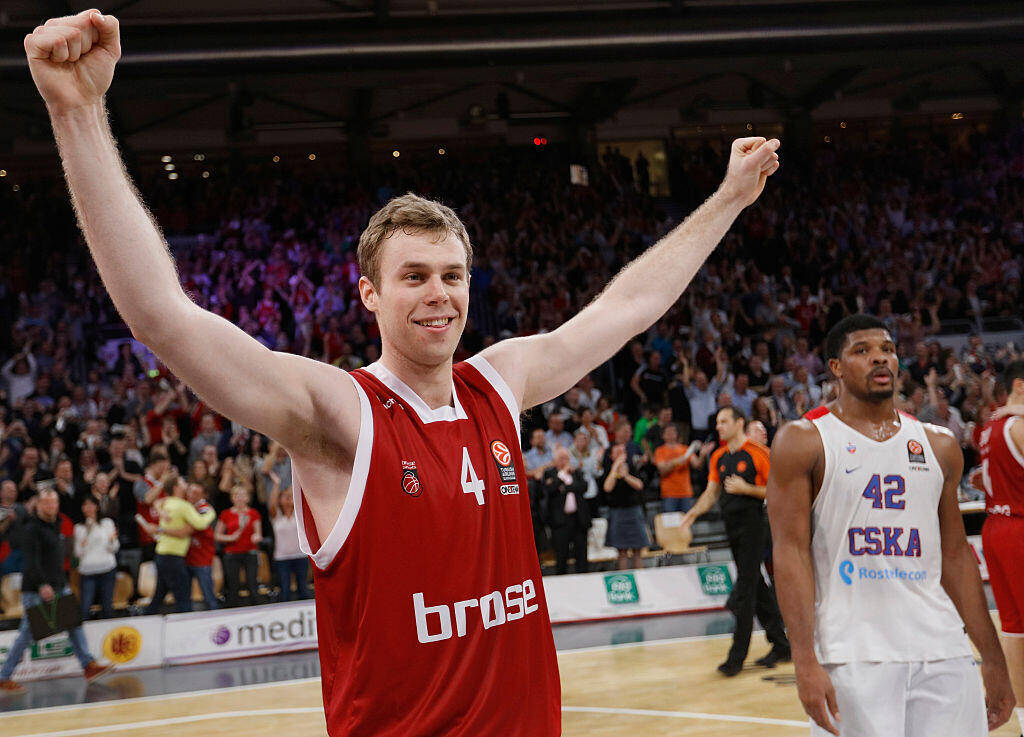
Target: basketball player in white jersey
x: 415, y: 259
x: 878, y: 586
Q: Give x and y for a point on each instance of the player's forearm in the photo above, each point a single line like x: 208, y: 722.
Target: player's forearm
x: 794, y: 585
x: 962, y: 582
x: 645, y: 289
x: 129, y: 251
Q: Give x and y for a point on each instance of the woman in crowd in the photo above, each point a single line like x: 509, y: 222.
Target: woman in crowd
x: 96, y: 544
x: 238, y: 528
x: 627, y: 530
x: 289, y: 561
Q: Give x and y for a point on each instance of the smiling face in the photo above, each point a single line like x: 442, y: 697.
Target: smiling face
x: 867, y: 365
x: 423, y: 297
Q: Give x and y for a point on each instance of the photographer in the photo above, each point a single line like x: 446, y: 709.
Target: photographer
x: 43, y: 548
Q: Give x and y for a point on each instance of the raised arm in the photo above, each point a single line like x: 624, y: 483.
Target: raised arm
x: 541, y: 367
x: 797, y: 463
x: 961, y: 580
x: 72, y: 62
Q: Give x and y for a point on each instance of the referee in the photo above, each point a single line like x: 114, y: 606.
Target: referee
x: 740, y: 466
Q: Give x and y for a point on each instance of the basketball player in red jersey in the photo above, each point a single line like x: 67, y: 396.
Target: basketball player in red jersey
x: 408, y: 477
x: 1002, y: 478
x: 876, y: 580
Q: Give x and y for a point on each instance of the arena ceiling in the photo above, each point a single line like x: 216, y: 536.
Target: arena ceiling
x: 207, y: 68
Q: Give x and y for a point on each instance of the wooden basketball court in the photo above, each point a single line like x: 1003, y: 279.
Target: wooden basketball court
x: 651, y: 689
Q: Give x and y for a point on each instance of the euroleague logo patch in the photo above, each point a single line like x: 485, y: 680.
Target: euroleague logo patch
x: 503, y: 459
x: 915, y: 451
x: 411, y: 479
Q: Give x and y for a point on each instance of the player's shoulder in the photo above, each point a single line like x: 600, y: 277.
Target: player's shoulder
x: 717, y: 454
x: 938, y: 434
x: 797, y: 440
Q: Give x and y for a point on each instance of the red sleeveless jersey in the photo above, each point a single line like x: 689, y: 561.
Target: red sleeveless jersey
x: 431, y: 614
x: 1002, y: 469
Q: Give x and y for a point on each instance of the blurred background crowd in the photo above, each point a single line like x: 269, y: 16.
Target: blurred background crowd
x: 927, y: 234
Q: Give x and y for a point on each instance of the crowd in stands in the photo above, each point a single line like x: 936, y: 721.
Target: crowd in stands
x: 925, y: 233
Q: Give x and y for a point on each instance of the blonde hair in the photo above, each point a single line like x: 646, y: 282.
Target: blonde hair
x: 411, y: 214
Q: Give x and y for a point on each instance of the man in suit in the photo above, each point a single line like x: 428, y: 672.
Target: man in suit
x: 568, y: 516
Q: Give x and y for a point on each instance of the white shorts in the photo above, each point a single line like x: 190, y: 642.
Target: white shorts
x: 933, y: 699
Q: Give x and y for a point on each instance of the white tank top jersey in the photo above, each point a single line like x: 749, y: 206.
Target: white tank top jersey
x: 877, y: 550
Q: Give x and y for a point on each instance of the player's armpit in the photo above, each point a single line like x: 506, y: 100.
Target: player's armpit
x: 292, y: 399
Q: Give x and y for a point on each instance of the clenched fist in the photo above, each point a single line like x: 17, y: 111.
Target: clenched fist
x: 72, y: 59
x: 751, y: 162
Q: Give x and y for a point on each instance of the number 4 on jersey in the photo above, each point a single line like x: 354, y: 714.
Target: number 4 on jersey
x: 471, y: 483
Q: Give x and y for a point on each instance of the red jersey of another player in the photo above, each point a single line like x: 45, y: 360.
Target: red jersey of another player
x: 431, y: 614
x: 1002, y: 537
x: 202, y: 548
x: 1002, y: 469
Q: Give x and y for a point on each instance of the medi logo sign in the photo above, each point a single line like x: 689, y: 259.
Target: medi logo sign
x: 233, y: 633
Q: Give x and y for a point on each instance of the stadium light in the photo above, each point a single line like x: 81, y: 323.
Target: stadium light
x: 206, y: 175
x: 276, y: 159
x: 396, y: 153
x: 173, y: 175
x: 16, y: 188
x: 3, y: 173
x: 168, y: 167
x: 199, y: 157
x: 166, y: 158
x: 958, y: 116
x: 441, y: 152
x: 312, y: 157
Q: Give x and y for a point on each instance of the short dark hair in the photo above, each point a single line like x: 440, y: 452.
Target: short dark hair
x: 737, y: 413
x: 1013, y: 372
x: 837, y: 335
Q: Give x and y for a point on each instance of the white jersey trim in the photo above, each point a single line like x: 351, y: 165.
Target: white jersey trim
x: 1014, y: 450
x: 414, y: 401
x: 330, y: 547
x: 495, y: 379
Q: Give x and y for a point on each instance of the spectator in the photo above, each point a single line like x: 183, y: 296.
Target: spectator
x: 742, y: 395
x: 702, y: 395
x: 147, y: 490
x: 627, y: 530
x: 568, y: 516
x: 207, y: 435
x: 12, y: 515
x: 757, y: 432
x: 556, y: 436
x: 96, y: 543
x: 596, y: 435
x: 176, y: 450
x: 177, y: 520
x: 538, y: 458
x: 239, y: 529
x: 202, y: 548
x: 803, y: 382
x: 780, y: 400
x: 763, y: 412
x: 290, y: 562
x: 586, y: 457
x: 653, y: 436
x: 20, y: 373
x: 31, y: 470
x: 276, y: 460
x: 64, y: 485
x: 673, y: 461
x: 649, y: 383
x: 42, y: 581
